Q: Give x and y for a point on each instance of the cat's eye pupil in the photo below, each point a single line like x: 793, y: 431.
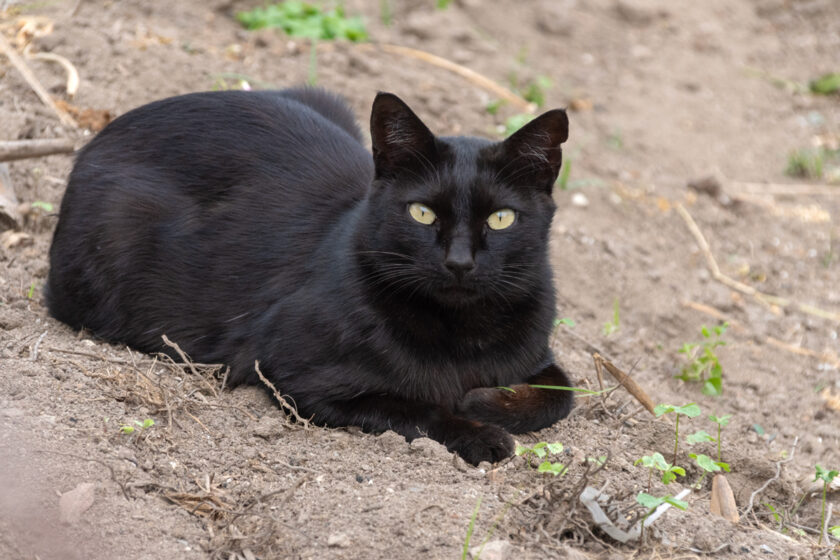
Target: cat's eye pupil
x: 501, y: 219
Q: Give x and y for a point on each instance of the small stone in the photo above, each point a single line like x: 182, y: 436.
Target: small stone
x: 267, y: 427
x: 579, y: 199
x: 11, y: 412
x: 429, y: 448
x: 338, y: 540
x: 391, y: 442
x: 75, y: 502
x: 766, y: 549
x: 493, y: 550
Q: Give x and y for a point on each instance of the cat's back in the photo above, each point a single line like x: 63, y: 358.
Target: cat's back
x: 177, y: 207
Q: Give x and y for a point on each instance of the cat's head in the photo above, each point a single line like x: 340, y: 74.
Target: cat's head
x: 459, y: 219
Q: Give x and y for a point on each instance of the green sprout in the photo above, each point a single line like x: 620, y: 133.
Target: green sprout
x: 515, y: 122
x: 470, y: 530
x: 611, y: 326
x: 827, y: 476
x: 128, y: 429
x: 563, y: 179
x: 691, y: 410
x: 826, y: 84
x: 542, y: 450
x: 30, y: 293
x: 721, y: 422
x: 658, y: 462
x: 703, y: 364
x: 301, y: 19
x: 41, y: 205
x: 652, y: 502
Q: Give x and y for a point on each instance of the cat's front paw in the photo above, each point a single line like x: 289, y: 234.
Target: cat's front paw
x: 482, y: 443
x: 518, y: 409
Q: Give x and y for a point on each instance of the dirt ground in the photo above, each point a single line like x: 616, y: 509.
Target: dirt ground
x: 662, y: 94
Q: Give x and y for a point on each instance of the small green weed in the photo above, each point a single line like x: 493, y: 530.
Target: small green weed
x: 128, y: 429
x: 721, y: 422
x: 826, y: 84
x: 30, y: 293
x: 515, y: 122
x: 652, y: 502
x: 563, y: 179
x: 658, y: 462
x: 612, y: 326
x: 535, y: 90
x: 493, y: 107
x: 806, y: 163
x: 443, y: 4
x: 470, y: 529
x: 41, y: 205
x: 827, y: 476
x: 301, y: 19
x: 542, y: 450
x: 703, y: 364
x: 691, y: 410
x: 557, y: 322
x: 386, y: 14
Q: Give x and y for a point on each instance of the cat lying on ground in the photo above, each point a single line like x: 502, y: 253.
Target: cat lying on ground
x: 398, y: 291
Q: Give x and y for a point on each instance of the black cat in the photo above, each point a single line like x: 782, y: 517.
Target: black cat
x: 398, y: 291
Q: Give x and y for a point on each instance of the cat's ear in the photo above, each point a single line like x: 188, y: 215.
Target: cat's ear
x: 532, y: 155
x: 400, y: 140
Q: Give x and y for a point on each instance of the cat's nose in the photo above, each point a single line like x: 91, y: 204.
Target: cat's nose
x: 459, y: 258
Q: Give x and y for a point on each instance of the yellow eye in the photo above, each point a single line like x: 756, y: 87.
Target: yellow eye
x: 501, y: 219
x: 422, y: 213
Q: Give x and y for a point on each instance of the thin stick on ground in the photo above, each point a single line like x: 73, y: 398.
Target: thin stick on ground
x: 21, y: 66
x: 284, y: 404
x: 470, y: 75
x: 626, y: 381
x: 22, y: 149
x: 749, y: 508
x: 714, y: 269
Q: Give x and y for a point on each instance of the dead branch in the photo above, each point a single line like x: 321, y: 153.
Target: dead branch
x: 72, y: 74
x: 470, y: 75
x: 284, y: 404
x: 11, y: 150
x: 714, y: 269
x: 626, y: 381
x: 764, y: 486
x: 33, y: 82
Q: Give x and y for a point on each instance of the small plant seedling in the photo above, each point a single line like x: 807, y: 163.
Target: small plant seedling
x: 806, y: 163
x: 563, y: 179
x: 541, y: 450
x: 826, y: 84
x: 708, y: 465
x: 494, y: 106
x: 515, y: 122
x: 41, y: 205
x: 835, y: 531
x: 30, y: 293
x: 691, y: 410
x: 703, y: 364
x: 699, y: 437
x: 652, y: 502
x: 300, y: 19
x: 470, y: 529
x: 611, y: 326
x: 128, y: 429
x: 534, y: 91
x: 721, y: 422
x: 827, y: 476
x: 557, y: 322
x: 658, y: 462
x: 443, y: 4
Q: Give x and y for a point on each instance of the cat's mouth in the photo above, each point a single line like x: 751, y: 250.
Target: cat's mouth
x: 458, y: 294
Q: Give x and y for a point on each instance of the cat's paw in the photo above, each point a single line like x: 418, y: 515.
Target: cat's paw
x: 482, y: 443
x: 518, y: 410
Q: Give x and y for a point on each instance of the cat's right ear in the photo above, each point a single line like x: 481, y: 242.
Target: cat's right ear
x: 401, y: 141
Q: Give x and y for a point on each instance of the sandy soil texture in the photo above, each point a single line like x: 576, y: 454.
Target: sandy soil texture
x: 681, y: 113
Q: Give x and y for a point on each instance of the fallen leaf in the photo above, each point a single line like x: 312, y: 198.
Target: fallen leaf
x: 723, y: 501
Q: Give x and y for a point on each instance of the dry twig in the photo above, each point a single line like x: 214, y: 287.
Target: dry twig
x: 749, y: 508
x: 714, y: 269
x: 21, y: 149
x: 33, y: 82
x: 284, y: 404
x: 625, y: 380
x: 470, y: 75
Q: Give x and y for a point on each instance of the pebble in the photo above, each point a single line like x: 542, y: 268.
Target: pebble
x: 338, y: 540
x: 579, y: 199
x: 493, y: 550
x: 75, y: 502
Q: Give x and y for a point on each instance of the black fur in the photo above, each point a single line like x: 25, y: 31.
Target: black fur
x: 255, y: 226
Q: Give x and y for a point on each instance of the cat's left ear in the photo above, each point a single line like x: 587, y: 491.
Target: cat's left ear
x: 401, y: 142
x: 532, y: 155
